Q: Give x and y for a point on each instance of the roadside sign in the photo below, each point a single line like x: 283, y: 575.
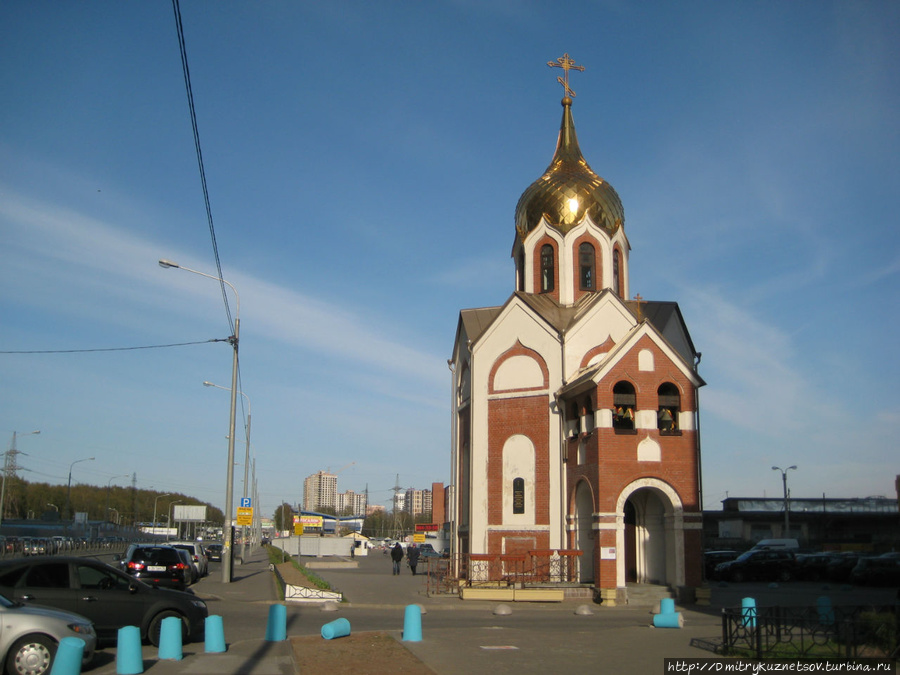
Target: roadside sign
x: 246, y: 502
x: 419, y: 538
x: 244, y: 516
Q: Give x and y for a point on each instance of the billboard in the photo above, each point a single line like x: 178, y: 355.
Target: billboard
x: 190, y: 514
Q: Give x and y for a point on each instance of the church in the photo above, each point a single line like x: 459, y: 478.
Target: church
x: 575, y: 405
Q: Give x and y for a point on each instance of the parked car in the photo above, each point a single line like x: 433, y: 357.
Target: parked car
x: 191, y: 576
x: 876, y: 571
x: 713, y: 558
x: 814, y: 566
x: 214, y: 552
x: 840, y: 568
x: 764, y: 565
x: 106, y: 596
x: 31, y: 635
x: 156, y: 565
x: 198, y: 555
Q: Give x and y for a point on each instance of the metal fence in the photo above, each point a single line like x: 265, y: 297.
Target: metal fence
x: 811, y: 632
x: 541, y: 567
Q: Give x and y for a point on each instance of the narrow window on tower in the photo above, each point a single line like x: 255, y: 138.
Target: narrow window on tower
x: 518, y: 495
x: 547, y: 271
x: 520, y: 272
x: 615, y: 275
x: 586, y: 266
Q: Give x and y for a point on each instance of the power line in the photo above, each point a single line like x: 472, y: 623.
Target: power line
x: 193, y: 114
x: 110, y: 349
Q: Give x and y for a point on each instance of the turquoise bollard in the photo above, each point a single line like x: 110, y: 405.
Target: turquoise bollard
x: 748, y: 612
x: 68, y: 657
x: 666, y: 606
x: 335, y: 629
x: 276, y: 628
x: 412, y: 624
x: 170, y: 639
x: 826, y: 610
x: 668, y: 620
x: 129, y: 658
x: 215, y: 634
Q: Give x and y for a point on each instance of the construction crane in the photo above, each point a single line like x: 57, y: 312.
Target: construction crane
x: 347, y: 466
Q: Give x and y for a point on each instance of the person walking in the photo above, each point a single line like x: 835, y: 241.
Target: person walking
x: 412, y: 555
x: 397, y: 557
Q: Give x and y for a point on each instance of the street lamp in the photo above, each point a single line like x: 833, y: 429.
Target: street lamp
x: 787, y: 509
x: 69, y: 489
x: 172, y: 511
x: 229, y: 478
x: 108, y: 485
x: 246, y: 454
x: 155, y: 502
x: 12, y: 452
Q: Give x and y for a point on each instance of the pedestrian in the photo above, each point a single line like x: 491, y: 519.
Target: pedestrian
x: 397, y: 557
x: 412, y: 555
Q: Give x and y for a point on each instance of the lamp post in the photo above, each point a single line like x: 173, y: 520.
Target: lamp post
x: 246, y: 454
x: 69, y: 489
x: 12, y: 452
x: 787, y: 505
x: 155, y: 502
x: 172, y: 512
x: 108, y: 485
x: 228, y: 535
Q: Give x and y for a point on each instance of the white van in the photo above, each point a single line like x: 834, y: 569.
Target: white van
x: 776, y: 545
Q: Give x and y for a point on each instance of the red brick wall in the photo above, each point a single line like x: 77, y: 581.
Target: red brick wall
x: 508, y: 417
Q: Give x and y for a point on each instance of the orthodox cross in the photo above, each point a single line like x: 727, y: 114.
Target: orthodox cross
x: 566, y: 64
x: 639, y: 300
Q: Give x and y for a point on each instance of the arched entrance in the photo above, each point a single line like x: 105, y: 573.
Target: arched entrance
x: 651, y: 535
x: 584, y: 535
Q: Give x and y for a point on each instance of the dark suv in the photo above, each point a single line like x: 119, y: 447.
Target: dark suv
x: 760, y: 564
x: 157, y: 566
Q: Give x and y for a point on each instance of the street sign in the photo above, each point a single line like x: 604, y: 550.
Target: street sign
x: 244, y: 516
x: 246, y: 502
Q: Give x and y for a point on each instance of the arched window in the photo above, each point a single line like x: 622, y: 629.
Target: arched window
x: 615, y: 273
x: 586, y: 271
x: 624, y: 401
x: 669, y: 407
x: 547, y: 268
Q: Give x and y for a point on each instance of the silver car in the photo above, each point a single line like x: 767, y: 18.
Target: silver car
x: 31, y: 635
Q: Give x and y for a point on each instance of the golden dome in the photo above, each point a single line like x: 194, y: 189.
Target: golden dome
x: 568, y: 190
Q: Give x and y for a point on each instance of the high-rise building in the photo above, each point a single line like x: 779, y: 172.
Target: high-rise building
x: 320, y: 491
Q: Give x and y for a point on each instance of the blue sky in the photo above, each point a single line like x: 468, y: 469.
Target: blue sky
x: 364, y: 161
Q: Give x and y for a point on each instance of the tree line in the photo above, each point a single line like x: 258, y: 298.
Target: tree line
x: 125, y: 506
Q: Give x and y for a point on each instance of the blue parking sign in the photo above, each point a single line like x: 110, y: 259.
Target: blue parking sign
x: 246, y: 502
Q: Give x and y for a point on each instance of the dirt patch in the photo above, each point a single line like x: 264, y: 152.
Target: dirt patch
x: 372, y: 653
x: 292, y: 576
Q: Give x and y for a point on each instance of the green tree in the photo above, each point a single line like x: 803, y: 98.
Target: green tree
x: 283, y: 517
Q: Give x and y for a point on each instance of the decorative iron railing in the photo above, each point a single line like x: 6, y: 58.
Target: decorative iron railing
x: 540, y: 567
x: 811, y: 632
